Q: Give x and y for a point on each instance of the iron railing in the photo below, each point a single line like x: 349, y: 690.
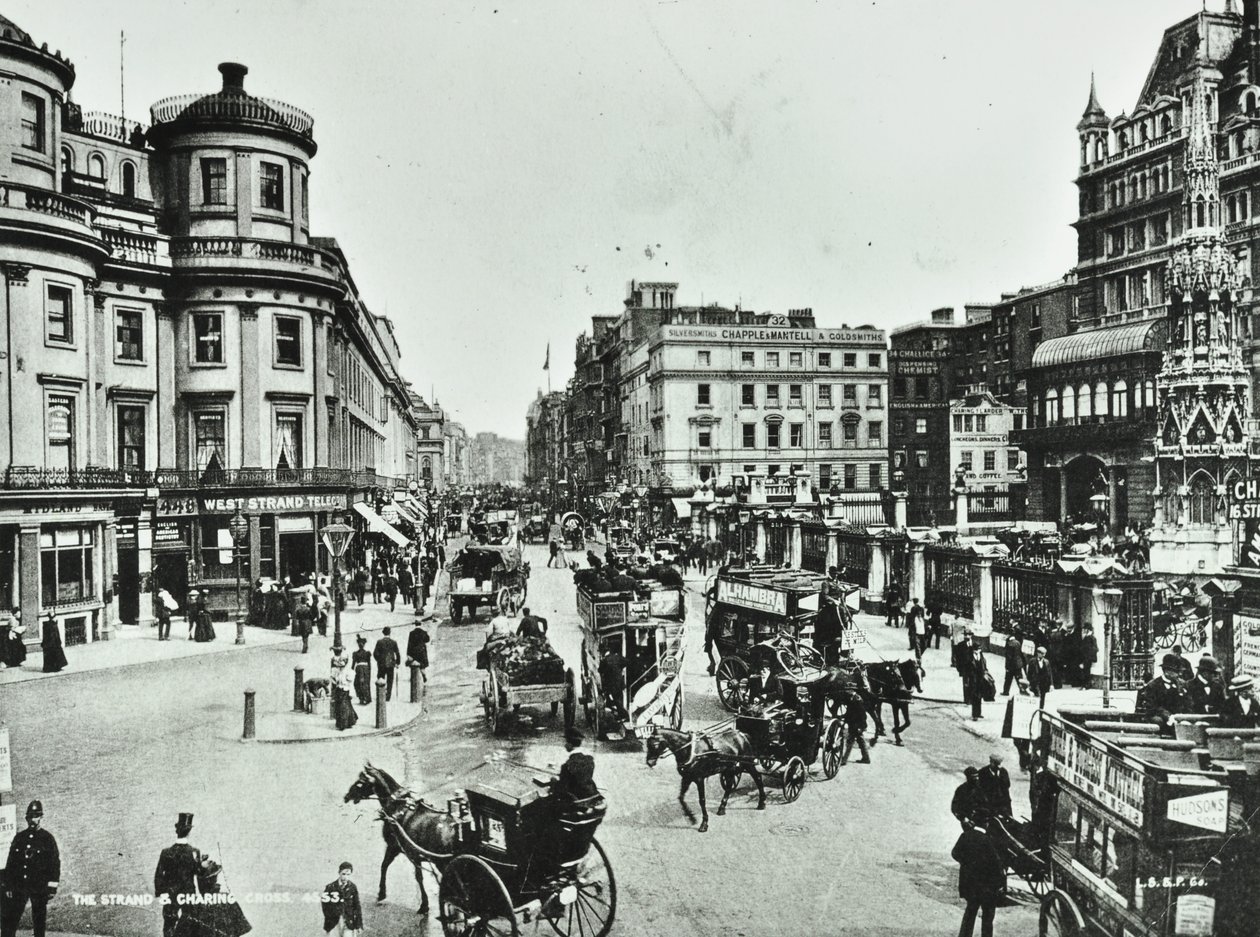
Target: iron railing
x: 30, y: 478
x: 234, y: 107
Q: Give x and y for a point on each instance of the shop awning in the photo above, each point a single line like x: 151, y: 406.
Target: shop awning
x: 417, y: 508
x: 682, y: 507
x: 1132, y: 338
x: 406, y: 513
x: 378, y: 524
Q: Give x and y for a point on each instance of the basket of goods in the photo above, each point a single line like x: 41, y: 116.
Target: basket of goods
x: 524, y: 661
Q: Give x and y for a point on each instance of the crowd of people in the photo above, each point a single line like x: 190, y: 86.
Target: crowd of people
x: 1202, y: 690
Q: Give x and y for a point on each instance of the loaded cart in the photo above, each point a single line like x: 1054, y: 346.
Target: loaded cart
x: 525, y: 672
x: 486, y: 575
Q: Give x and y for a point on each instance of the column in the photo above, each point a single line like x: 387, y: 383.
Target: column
x: 760, y: 541
x: 1062, y: 493
x: 918, y: 572
x: 833, y: 550
x: 108, y: 566
x: 878, y: 571
x: 899, y: 510
x: 97, y: 346
x: 144, y: 562
x: 253, y: 429
x: 255, y: 553
x: 165, y: 405
x: 1113, y: 493
x: 794, y: 545
x: 984, y: 601
x: 319, y: 407
x: 28, y: 577
x: 960, y: 509
x: 244, y: 197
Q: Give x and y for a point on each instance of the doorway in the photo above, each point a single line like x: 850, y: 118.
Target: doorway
x: 170, y: 572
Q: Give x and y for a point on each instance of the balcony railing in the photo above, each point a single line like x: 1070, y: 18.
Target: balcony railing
x: 136, y: 247
x: 30, y: 478
x: 1137, y: 150
x: 234, y: 107
x: 45, y: 202
x: 284, y: 252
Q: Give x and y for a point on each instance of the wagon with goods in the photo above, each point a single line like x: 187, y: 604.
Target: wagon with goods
x: 479, y: 575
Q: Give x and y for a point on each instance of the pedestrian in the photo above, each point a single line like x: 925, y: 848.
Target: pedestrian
x: 1014, y: 664
x: 32, y: 873
x: 343, y: 914
x: 323, y: 604
x: 892, y: 604
x: 916, y: 628
x: 361, y: 579
x: 994, y: 785
x: 1018, y: 734
x: 203, y: 626
x: 1207, y: 690
x: 1165, y: 696
x: 975, y: 676
x: 855, y: 722
x: 216, y: 916
x: 1181, y: 669
x: 391, y: 589
x: 361, y: 662
x: 387, y: 659
x: 712, y: 632
x: 341, y: 680
x: 54, y: 654
x: 418, y: 650
x: 967, y: 798
x: 13, y: 649
x: 1241, y: 709
x: 1040, y: 676
x: 303, y: 621
x: 1087, y: 655
x: 555, y: 552
x: 406, y: 585
x: 176, y: 875
x: 163, y: 605
x: 981, y: 876
x: 936, y: 627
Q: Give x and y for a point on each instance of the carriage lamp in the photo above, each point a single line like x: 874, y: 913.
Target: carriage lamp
x: 336, y: 537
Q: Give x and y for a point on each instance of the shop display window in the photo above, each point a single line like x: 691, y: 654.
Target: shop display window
x: 67, y: 566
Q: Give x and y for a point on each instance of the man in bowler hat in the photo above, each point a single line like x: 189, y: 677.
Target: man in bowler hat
x: 32, y: 873
x: 176, y: 874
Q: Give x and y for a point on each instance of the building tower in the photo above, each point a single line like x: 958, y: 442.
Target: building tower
x: 1203, y: 386
x: 1093, y: 129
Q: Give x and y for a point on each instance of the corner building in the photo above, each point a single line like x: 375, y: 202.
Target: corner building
x: 176, y: 346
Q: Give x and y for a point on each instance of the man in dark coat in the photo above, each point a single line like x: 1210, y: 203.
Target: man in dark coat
x: 1014, y: 664
x: 1206, y: 690
x: 32, y: 873
x: 577, y: 775
x: 1165, y: 695
x: 827, y: 629
x: 1040, y: 677
x: 176, y: 874
x: 387, y: 657
x: 994, y: 785
x: 612, y: 680
x: 967, y: 797
x: 343, y: 912
x: 975, y: 676
x: 1241, y: 710
x: 981, y: 876
x: 892, y: 604
x: 530, y: 626
x: 1087, y: 655
x: 1181, y: 667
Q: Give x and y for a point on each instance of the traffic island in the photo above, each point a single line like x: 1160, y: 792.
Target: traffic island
x: 319, y: 726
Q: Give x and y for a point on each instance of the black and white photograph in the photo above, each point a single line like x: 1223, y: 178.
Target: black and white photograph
x: 632, y: 468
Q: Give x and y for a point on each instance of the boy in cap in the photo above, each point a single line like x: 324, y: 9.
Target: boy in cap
x: 343, y: 914
x: 995, y: 787
x: 967, y: 797
x: 32, y: 873
x: 176, y: 874
x: 1207, y: 692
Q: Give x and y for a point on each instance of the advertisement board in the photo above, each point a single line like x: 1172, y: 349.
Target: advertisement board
x: 748, y: 595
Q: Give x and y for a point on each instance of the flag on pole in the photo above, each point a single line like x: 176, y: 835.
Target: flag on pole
x: 547, y: 362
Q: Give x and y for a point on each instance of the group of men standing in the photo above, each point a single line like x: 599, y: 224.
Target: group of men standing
x: 1181, y: 688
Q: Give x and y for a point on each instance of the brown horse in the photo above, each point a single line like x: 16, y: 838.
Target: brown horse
x: 421, y: 832
x: 700, y: 756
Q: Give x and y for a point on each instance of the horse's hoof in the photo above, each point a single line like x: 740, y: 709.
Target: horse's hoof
x: 721, y: 811
x: 424, y: 909
x: 761, y: 806
x: 899, y: 742
x: 875, y: 741
x: 906, y: 724
x: 704, y: 828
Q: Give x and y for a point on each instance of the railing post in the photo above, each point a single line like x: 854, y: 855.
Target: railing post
x: 381, y: 720
x: 299, y: 692
x: 249, y: 715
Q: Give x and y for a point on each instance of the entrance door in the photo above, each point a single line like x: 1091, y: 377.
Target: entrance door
x: 129, y: 586
x: 170, y: 572
x: 295, y: 546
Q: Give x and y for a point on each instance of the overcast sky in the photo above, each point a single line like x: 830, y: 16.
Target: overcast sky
x: 498, y: 172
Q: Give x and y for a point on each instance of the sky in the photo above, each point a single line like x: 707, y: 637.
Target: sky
x: 498, y: 172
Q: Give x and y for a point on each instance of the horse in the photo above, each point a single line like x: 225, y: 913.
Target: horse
x: 701, y: 756
x: 892, y: 682
x: 849, y: 675
x: 420, y: 831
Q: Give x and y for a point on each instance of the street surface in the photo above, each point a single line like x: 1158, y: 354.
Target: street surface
x: 115, y: 755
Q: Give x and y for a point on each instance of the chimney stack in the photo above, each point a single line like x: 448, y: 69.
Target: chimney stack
x: 233, y: 77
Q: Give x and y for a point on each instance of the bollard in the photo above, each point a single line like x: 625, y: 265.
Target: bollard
x: 299, y: 693
x: 415, y: 682
x: 249, y: 714
x: 240, y: 631
x: 381, y: 721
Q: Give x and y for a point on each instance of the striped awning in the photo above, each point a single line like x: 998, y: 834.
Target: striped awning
x: 378, y: 524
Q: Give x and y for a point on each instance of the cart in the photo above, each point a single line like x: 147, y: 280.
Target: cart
x: 621, y: 542
x: 668, y: 550
x: 486, y: 575
x: 536, y: 529
x: 544, y: 682
x: 650, y: 640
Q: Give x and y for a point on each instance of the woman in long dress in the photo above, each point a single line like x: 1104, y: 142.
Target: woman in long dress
x: 212, y: 919
x: 54, y: 654
x: 342, y: 686
x: 13, y: 650
x: 203, y: 627
x: 361, y: 661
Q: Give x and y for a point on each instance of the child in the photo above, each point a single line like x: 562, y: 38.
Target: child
x: 343, y: 915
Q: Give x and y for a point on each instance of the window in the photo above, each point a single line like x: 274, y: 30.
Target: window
x: 824, y: 476
x: 216, y: 549
x: 67, y: 566
x: 67, y: 160
x: 288, y: 341
x: 958, y: 423
x: 850, y: 475
x: 772, y: 395
x: 59, y: 314
x: 877, y: 475
x: 772, y: 359
x: 849, y: 431
x: 796, y: 435
x: 773, y: 469
x: 704, y: 358
x: 131, y: 438
x: 288, y: 440
x: 214, y: 181
x: 875, y: 433
x: 704, y: 438
x: 60, y: 433
x: 824, y: 435
x: 32, y: 122
x: 899, y: 387
x: 96, y: 167
x: 746, y: 359
x: 850, y: 359
x: 824, y: 359
x: 921, y: 458
x: 874, y: 395
x: 965, y: 460
x: 271, y: 185
x: 849, y: 392
x: 702, y: 395
x: 129, y: 335
x: 794, y: 395
x: 747, y: 395
x: 750, y: 435
x: 209, y: 438
x: 1012, y: 460
x: 795, y: 359
x: 208, y: 338
x: 920, y: 388
x: 990, y: 460
x: 920, y: 425
x: 899, y: 459
x: 1120, y: 399
x: 772, y: 435
x: 969, y: 423
x: 899, y: 425
x: 982, y: 423
x: 873, y: 360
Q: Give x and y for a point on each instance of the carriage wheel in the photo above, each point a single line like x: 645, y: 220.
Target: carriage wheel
x: 1040, y: 883
x: 793, y: 779
x: 732, y: 681
x: 1059, y: 917
x: 490, y: 696
x: 676, y: 711
x: 457, y: 610
x: 570, y: 698
x: 473, y: 900
x: 730, y: 779
x: 832, y: 748
x: 709, y: 594
x: 594, y: 901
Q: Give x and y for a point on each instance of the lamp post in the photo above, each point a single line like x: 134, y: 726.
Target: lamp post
x: 336, y: 537
x: 1107, y: 602
x: 238, y: 526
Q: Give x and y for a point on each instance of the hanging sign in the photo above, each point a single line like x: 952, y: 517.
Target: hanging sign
x: 8, y: 830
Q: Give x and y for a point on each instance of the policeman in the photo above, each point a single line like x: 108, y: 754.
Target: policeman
x: 33, y: 872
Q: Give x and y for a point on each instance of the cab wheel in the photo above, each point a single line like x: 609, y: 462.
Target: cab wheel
x: 793, y: 779
x: 1059, y: 917
x: 732, y: 681
x: 457, y: 611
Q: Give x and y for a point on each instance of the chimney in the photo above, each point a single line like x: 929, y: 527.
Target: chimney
x: 233, y: 77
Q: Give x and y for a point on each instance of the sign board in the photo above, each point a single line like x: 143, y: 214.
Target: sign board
x: 1195, y: 917
x: 273, y: 504
x: 1085, y: 764
x: 1022, y: 709
x: 1208, y: 811
x: 175, y: 506
x: 168, y: 532
x: 763, y: 334
x: 640, y: 610
x: 851, y: 638
x: 1247, y: 647
x: 748, y: 595
x: 6, y: 762
x: 8, y: 830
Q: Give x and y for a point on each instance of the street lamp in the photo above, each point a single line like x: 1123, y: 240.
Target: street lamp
x: 238, y: 526
x: 1107, y: 603
x: 336, y: 537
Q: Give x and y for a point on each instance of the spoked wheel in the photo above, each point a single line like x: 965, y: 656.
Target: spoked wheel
x: 456, y: 610
x: 490, y: 699
x: 1040, y: 884
x: 594, y: 701
x: 676, y: 711
x: 793, y: 779
x: 474, y: 901
x: 832, y: 748
x: 586, y: 906
x: 570, y: 698
x: 709, y: 594
x: 730, y: 779
x: 1059, y: 917
x: 732, y: 683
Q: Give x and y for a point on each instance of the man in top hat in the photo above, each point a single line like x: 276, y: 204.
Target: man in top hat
x: 1165, y: 695
x: 1241, y: 710
x: 32, y: 873
x: 576, y: 780
x: 176, y: 874
x: 1183, y: 670
x: 1207, y: 690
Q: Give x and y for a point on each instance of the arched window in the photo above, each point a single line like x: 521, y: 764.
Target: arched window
x: 1230, y: 209
x: 129, y: 180
x: 1202, y: 500
x: 67, y: 160
x: 1069, y: 405
x: 96, y: 166
x: 1243, y: 208
x: 1141, y: 185
x: 1100, y: 149
x: 1200, y: 212
x: 1165, y: 126
x: 1052, y: 407
x: 1120, y: 399
x: 1100, y: 398
x: 1146, y: 132
x: 1122, y: 141
x: 1133, y: 190
x: 1084, y: 403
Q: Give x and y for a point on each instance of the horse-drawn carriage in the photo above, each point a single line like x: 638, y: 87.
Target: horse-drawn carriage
x: 508, y: 852
x: 535, y: 529
x: 758, y: 616
x: 621, y: 542
x: 486, y: 575
x: 525, y: 672
x: 644, y: 635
